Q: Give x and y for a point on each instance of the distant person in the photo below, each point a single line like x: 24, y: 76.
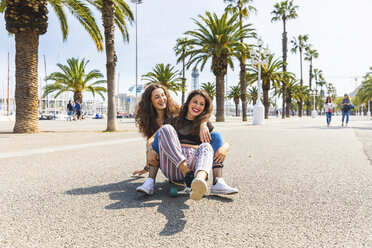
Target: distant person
x: 346, y: 107
x: 70, y: 110
x: 78, y: 109
x: 328, y: 109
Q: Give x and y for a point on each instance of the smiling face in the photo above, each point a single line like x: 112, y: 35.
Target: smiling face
x: 159, y: 99
x: 196, y: 107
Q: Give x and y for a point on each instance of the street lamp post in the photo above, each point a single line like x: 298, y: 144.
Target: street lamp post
x: 136, y: 2
x: 313, y: 115
x: 258, y: 108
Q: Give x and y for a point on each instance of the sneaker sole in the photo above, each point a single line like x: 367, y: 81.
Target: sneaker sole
x: 199, y: 188
x: 144, y: 192
x: 223, y: 192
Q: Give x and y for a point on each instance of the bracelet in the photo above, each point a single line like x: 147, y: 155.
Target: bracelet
x: 146, y: 168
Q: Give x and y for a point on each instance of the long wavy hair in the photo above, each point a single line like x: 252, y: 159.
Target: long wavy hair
x: 146, y: 114
x: 203, y: 117
x: 330, y: 99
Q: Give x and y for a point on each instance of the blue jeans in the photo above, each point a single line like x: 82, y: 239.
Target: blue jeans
x: 216, y: 143
x: 70, y: 114
x: 329, y: 117
x: 347, y: 114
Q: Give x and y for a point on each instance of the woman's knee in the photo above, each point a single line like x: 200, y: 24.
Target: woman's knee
x: 166, y: 129
x: 206, y: 146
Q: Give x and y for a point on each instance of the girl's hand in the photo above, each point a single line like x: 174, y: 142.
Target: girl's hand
x: 204, y: 134
x: 152, y: 158
x: 221, y: 154
x: 139, y: 172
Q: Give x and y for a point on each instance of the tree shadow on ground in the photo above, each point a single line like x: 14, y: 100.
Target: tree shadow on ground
x: 125, y: 196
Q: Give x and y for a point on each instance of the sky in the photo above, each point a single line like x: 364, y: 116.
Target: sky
x: 338, y: 29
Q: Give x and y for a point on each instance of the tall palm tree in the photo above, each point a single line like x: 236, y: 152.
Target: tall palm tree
x: 299, y: 44
x: 284, y: 11
x: 166, y: 76
x: 243, y: 8
x: 269, y: 74
x: 180, y: 50
x: 73, y: 78
x: 113, y: 12
x: 310, y: 54
x: 210, y: 88
x: 364, y: 94
x: 235, y: 95
x: 27, y: 20
x: 216, y: 39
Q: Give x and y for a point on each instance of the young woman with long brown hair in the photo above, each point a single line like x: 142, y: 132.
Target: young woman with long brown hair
x: 153, y: 109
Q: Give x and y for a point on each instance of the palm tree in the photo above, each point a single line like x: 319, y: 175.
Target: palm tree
x: 364, y: 94
x: 243, y: 8
x: 310, y: 54
x: 235, y: 94
x: 269, y: 73
x: 252, y: 94
x: 27, y: 20
x: 113, y: 12
x: 210, y: 88
x: 298, y: 45
x: 284, y: 11
x: 180, y: 49
x: 216, y: 39
x: 73, y: 78
x: 165, y: 76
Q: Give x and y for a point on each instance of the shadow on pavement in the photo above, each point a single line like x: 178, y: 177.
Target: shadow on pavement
x: 125, y: 195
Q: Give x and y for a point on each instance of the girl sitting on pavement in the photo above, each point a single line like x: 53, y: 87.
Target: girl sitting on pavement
x: 154, y: 107
x: 183, y: 156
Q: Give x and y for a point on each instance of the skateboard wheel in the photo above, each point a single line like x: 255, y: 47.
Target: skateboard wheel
x: 173, y: 192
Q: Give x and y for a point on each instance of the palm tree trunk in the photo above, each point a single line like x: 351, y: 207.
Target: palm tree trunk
x: 26, y: 92
x: 284, y: 89
x: 243, y: 89
x: 236, y: 109
x: 78, y: 96
x: 108, y: 10
x: 183, y: 81
x: 288, y: 105
x: 308, y: 112
x: 266, y: 103
x: 220, y: 98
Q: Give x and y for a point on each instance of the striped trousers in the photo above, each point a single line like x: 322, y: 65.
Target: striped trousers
x: 171, y: 154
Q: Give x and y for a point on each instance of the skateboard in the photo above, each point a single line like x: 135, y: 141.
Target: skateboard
x: 174, y: 192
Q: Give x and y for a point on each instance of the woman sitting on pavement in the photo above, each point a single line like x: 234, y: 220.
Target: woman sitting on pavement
x: 183, y: 157
x: 154, y: 107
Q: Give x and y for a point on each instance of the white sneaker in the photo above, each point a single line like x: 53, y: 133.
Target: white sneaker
x: 222, y: 188
x: 147, y: 187
x: 199, y: 188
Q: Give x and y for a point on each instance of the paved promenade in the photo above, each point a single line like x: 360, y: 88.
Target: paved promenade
x: 301, y: 184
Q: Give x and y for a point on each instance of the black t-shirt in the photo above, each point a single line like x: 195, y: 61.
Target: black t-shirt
x: 69, y: 107
x: 184, y: 133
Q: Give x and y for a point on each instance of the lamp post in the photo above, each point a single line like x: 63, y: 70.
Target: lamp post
x: 136, y: 2
x: 258, y: 108
x: 314, y: 114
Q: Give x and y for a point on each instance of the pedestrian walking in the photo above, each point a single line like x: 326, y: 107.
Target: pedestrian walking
x: 70, y: 110
x: 346, y: 107
x: 78, y: 109
x: 328, y: 109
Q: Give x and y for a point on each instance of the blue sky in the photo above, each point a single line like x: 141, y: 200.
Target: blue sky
x: 339, y: 30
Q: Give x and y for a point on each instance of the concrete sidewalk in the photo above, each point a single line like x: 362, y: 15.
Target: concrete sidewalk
x: 302, y: 184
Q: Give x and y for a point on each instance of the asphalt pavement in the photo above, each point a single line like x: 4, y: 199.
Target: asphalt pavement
x: 302, y: 184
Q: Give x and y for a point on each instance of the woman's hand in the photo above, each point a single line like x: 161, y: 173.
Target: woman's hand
x: 221, y: 154
x: 204, y: 134
x: 139, y: 172
x: 152, y: 158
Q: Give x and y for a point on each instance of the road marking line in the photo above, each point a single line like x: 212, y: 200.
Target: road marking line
x: 64, y: 148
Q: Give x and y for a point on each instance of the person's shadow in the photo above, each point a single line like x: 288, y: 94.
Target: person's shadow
x: 125, y: 195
